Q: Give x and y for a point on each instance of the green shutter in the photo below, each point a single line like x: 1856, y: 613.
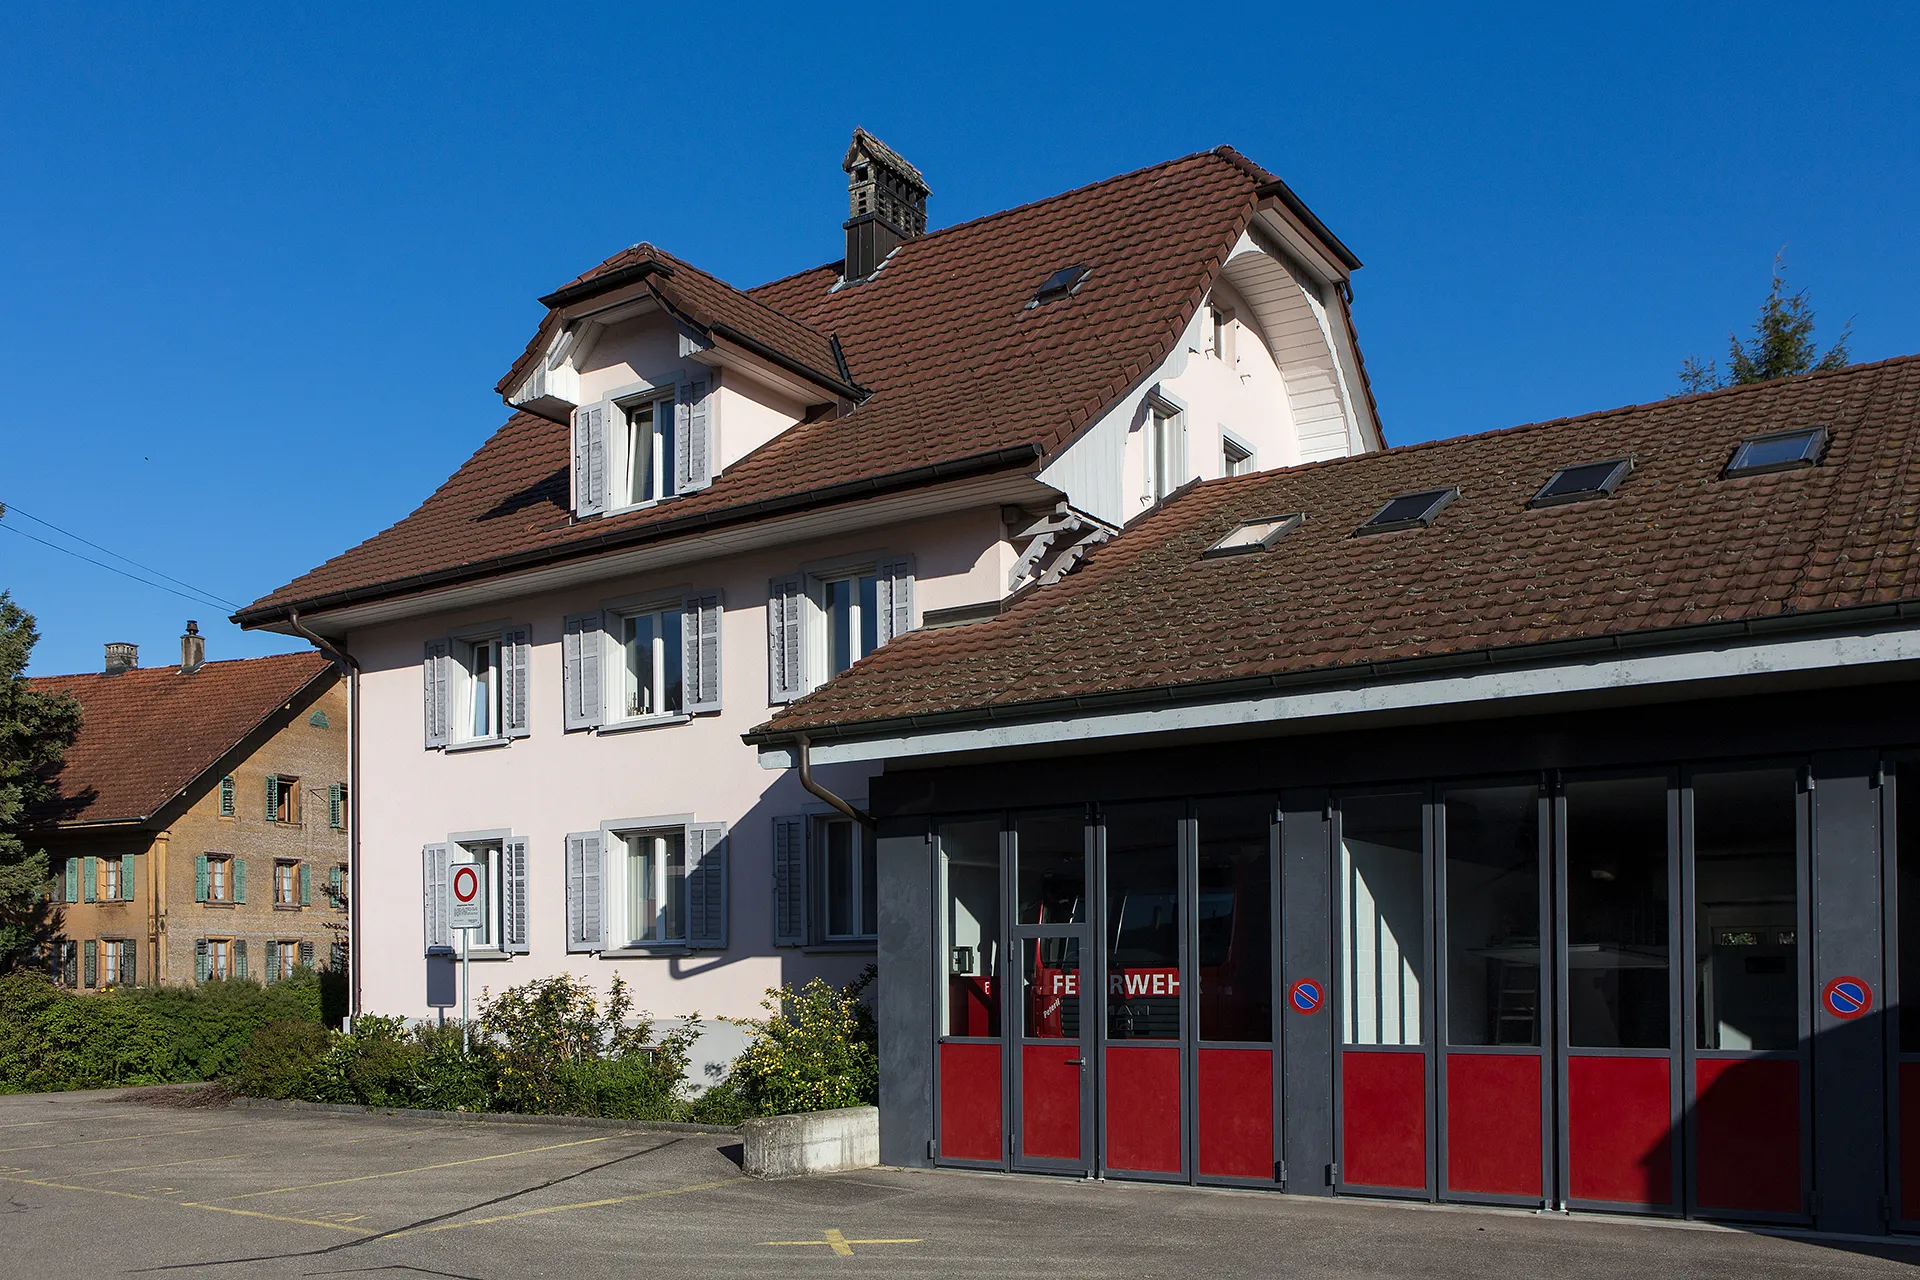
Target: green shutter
x: 306, y: 955
x: 239, y: 868
x: 73, y: 880
x: 273, y: 799
x: 334, y: 815
x: 89, y: 873
x: 128, y: 950
x: 202, y: 963
x: 226, y: 796
x: 240, y: 958
x: 200, y: 878
x: 126, y: 877
x: 306, y: 885
x: 334, y: 893
x: 272, y: 973
x: 90, y: 960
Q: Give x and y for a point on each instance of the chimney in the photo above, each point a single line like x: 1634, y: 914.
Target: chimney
x: 193, y: 649
x: 121, y: 656
x: 886, y: 203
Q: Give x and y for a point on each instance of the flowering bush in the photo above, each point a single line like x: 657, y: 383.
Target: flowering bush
x: 818, y: 1050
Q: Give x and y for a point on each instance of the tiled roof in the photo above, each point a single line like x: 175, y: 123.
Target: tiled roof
x: 957, y: 366
x: 1676, y: 546
x: 146, y: 735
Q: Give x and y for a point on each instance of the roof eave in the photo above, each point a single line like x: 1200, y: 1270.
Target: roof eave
x: 1280, y: 191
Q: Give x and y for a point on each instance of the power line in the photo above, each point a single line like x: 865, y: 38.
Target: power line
x: 196, y: 599
x: 145, y: 568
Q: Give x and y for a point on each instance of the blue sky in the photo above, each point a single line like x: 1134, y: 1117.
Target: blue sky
x: 260, y: 266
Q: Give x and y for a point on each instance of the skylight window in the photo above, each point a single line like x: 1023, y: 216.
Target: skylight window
x: 1060, y: 284
x: 1778, y: 451
x: 1582, y: 482
x: 1409, y: 511
x: 1256, y: 535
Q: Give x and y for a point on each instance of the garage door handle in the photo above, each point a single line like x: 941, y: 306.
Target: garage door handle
x: 1076, y: 1062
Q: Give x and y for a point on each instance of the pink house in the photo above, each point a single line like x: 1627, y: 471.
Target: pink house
x: 708, y: 501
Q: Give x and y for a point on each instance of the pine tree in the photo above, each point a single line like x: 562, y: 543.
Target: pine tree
x: 1782, y: 344
x: 35, y: 730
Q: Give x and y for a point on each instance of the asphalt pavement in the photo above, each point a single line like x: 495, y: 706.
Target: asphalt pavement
x: 103, y: 1184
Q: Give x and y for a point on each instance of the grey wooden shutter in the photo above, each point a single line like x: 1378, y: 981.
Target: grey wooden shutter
x: 238, y: 867
x: 513, y: 883
x: 516, y: 658
x: 126, y: 877
x: 895, y: 597
x: 89, y: 879
x: 693, y: 436
x: 789, y: 881
x: 707, y: 885
x: 700, y: 659
x: 200, y: 878
x: 434, y: 680
x: 786, y: 638
x: 590, y: 459
x: 580, y: 650
x: 584, y: 878
x: 90, y: 950
x: 433, y: 884
x: 273, y: 961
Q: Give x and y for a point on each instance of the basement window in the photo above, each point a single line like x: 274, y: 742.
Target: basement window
x: 1408, y: 511
x: 1777, y: 451
x: 1060, y: 284
x: 1255, y: 535
x: 1582, y: 482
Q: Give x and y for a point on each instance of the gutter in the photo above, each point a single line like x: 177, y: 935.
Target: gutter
x: 806, y: 780
x: 352, y: 667
x: 604, y: 284
x: 654, y: 531
x: 1538, y: 654
x: 1280, y: 191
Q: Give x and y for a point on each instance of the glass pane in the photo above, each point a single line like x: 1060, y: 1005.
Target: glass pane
x: 1907, y: 903
x: 1051, y: 860
x: 1493, y: 915
x: 840, y: 878
x: 1617, y: 914
x: 1746, y: 880
x: 1383, y: 918
x: 1052, y: 1003
x: 970, y: 855
x: 640, y: 454
x: 675, y: 845
x: 840, y: 637
x: 1143, y: 921
x: 869, y: 615
x: 1236, y: 920
x: 643, y: 903
x: 483, y: 690
x: 639, y: 665
x: 671, y: 656
x: 869, y: 889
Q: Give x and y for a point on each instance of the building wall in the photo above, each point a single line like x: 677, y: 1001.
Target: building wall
x: 163, y: 917
x: 553, y: 782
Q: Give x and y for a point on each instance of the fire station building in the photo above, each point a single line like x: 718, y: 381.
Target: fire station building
x: 1514, y: 819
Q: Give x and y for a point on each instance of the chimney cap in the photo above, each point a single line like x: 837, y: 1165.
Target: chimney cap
x: 121, y: 656
x: 193, y: 628
x: 880, y: 153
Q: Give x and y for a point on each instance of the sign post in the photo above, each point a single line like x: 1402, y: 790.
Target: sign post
x: 466, y: 911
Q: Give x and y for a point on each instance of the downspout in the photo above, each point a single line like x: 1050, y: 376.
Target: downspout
x: 814, y: 788
x: 352, y: 666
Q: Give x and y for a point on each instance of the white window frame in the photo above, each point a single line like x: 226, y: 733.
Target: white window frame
x: 1231, y: 444
x: 858, y: 908
x: 1220, y: 338
x: 611, y: 642
x: 616, y: 926
x: 820, y: 617
x: 109, y: 974
x: 461, y: 685
x: 661, y: 661
x: 662, y: 400
x: 486, y: 847
x: 1163, y: 437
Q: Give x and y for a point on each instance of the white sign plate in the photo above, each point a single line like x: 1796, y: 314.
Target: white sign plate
x: 467, y: 895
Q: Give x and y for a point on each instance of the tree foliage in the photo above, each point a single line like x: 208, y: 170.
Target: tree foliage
x: 35, y: 730
x: 1782, y: 344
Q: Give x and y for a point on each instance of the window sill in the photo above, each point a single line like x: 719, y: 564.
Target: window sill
x: 641, y: 951
x: 224, y: 905
x: 288, y: 906
x: 645, y: 722
x: 476, y: 744
x: 486, y: 953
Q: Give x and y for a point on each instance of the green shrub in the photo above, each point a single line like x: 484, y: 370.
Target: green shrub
x: 719, y: 1105
x: 280, y: 1057
x: 818, y: 1050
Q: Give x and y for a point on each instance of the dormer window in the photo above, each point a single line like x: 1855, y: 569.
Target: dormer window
x: 650, y: 451
x: 642, y: 444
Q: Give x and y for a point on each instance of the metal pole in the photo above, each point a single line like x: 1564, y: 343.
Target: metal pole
x: 465, y: 936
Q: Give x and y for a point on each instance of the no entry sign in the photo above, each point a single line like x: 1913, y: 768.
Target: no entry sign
x: 466, y: 896
x: 1847, y: 998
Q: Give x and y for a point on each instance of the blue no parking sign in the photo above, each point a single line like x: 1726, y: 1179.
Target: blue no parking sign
x: 1847, y: 997
x: 1305, y: 996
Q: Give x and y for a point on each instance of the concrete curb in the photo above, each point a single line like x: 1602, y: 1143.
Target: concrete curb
x: 481, y: 1117
x: 813, y: 1142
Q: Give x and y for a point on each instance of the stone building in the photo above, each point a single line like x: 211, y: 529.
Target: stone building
x: 202, y: 830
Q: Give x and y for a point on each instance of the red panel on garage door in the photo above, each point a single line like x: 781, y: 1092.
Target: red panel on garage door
x: 1747, y: 1115
x: 970, y: 1122
x: 1050, y: 1101
x: 1620, y: 1130
x: 1383, y: 1119
x: 1236, y: 1113
x: 1493, y: 1124
x: 1143, y: 1108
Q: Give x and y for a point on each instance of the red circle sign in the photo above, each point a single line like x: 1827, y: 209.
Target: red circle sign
x: 1306, y: 995
x: 1847, y: 997
x: 466, y: 884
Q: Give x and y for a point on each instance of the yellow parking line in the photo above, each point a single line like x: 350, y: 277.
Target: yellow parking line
x: 428, y: 1168
x: 584, y: 1204
x: 135, y: 1168
x: 274, y: 1217
x: 132, y: 1137
x: 183, y: 1204
x: 27, y: 1124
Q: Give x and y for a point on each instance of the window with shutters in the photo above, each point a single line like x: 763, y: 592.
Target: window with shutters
x: 109, y: 880
x: 219, y: 879
x: 283, y: 958
x: 642, y: 661
x: 651, y: 676
x: 337, y: 805
x: 219, y: 958
x: 113, y: 955
x: 283, y: 799
x: 823, y: 620
x: 647, y: 883
x: 647, y: 469
x: 486, y: 852
x: 286, y: 884
x: 643, y: 444
x: 476, y: 687
x: 650, y: 888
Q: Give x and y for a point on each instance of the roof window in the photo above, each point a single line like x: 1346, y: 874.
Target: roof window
x: 1256, y: 535
x: 1583, y: 481
x: 1060, y: 284
x: 1778, y: 451
x: 1409, y: 511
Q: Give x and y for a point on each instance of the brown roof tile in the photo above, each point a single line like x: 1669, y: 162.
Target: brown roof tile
x: 957, y: 367
x: 146, y: 735
x: 1676, y: 545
